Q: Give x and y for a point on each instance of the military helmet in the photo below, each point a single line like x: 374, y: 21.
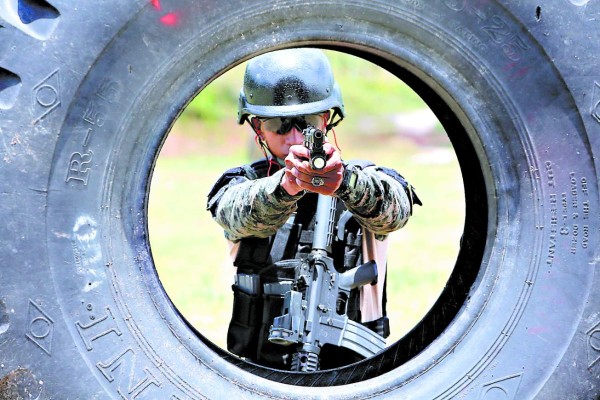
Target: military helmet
x: 287, y: 83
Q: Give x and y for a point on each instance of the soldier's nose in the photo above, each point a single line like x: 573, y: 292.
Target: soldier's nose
x: 295, y: 136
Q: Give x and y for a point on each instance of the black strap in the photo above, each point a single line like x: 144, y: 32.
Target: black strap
x: 408, y: 188
x: 332, y: 123
x: 285, y: 237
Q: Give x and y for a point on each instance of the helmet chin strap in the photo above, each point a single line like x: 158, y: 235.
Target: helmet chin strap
x: 332, y: 124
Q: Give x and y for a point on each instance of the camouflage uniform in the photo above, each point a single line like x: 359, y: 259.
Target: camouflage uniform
x: 251, y: 205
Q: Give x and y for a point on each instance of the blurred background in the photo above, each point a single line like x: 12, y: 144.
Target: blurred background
x: 386, y: 123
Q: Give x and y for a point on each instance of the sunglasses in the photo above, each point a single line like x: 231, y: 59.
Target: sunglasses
x: 282, y: 126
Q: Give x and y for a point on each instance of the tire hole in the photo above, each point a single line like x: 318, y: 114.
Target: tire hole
x: 189, y: 250
x: 10, y: 86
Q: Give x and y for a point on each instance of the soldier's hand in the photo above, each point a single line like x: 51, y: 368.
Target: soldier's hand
x: 300, y: 176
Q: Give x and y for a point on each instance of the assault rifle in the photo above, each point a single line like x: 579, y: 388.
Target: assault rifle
x: 314, y: 311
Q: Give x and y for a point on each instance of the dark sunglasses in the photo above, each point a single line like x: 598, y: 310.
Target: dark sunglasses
x: 282, y: 126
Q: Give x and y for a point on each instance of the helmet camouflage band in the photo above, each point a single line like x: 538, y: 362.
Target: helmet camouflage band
x: 289, y: 82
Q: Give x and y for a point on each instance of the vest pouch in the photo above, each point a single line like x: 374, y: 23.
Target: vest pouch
x: 271, y: 354
x: 277, y: 280
x: 244, y: 327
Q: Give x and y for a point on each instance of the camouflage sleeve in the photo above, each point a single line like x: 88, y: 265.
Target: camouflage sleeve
x: 258, y: 207
x: 380, y: 199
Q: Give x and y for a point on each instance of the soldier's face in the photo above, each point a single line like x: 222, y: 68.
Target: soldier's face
x: 280, y: 144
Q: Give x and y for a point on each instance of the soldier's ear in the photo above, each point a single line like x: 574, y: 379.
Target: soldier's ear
x: 326, y: 115
x: 255, y: 124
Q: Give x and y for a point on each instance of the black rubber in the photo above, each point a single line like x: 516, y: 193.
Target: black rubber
x: 88, y: 93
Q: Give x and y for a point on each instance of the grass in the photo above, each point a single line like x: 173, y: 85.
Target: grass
x: 190, y: 252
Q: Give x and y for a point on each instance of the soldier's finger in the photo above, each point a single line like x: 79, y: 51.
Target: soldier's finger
x: 299, y: 151
x: 330, y: 149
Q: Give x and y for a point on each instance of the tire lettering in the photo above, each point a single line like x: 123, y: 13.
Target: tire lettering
x: 93, y: 118
x: 97, y: 329
x: 126, y: 368
x: 79, y: 167
x: 123, y: 372
x: 498, y: 30
x: 569, y: 213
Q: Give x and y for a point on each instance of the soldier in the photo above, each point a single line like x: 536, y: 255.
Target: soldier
x: 267, y: 208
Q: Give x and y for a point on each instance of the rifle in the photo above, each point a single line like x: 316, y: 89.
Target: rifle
x: 314, y: 311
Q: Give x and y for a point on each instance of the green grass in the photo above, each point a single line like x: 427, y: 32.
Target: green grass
x: 190, y: 252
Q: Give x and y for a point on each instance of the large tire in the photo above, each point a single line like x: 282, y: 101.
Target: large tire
x: 88, y: 92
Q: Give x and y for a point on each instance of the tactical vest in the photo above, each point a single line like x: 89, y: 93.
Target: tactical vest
x: 261, y: 261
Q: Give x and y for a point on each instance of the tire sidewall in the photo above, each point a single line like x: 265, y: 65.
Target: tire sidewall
x: 518, y: 115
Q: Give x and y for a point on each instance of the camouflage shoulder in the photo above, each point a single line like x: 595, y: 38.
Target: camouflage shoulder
x: 248, y: 171
x: 408, y: 188
x: 232, y: 176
